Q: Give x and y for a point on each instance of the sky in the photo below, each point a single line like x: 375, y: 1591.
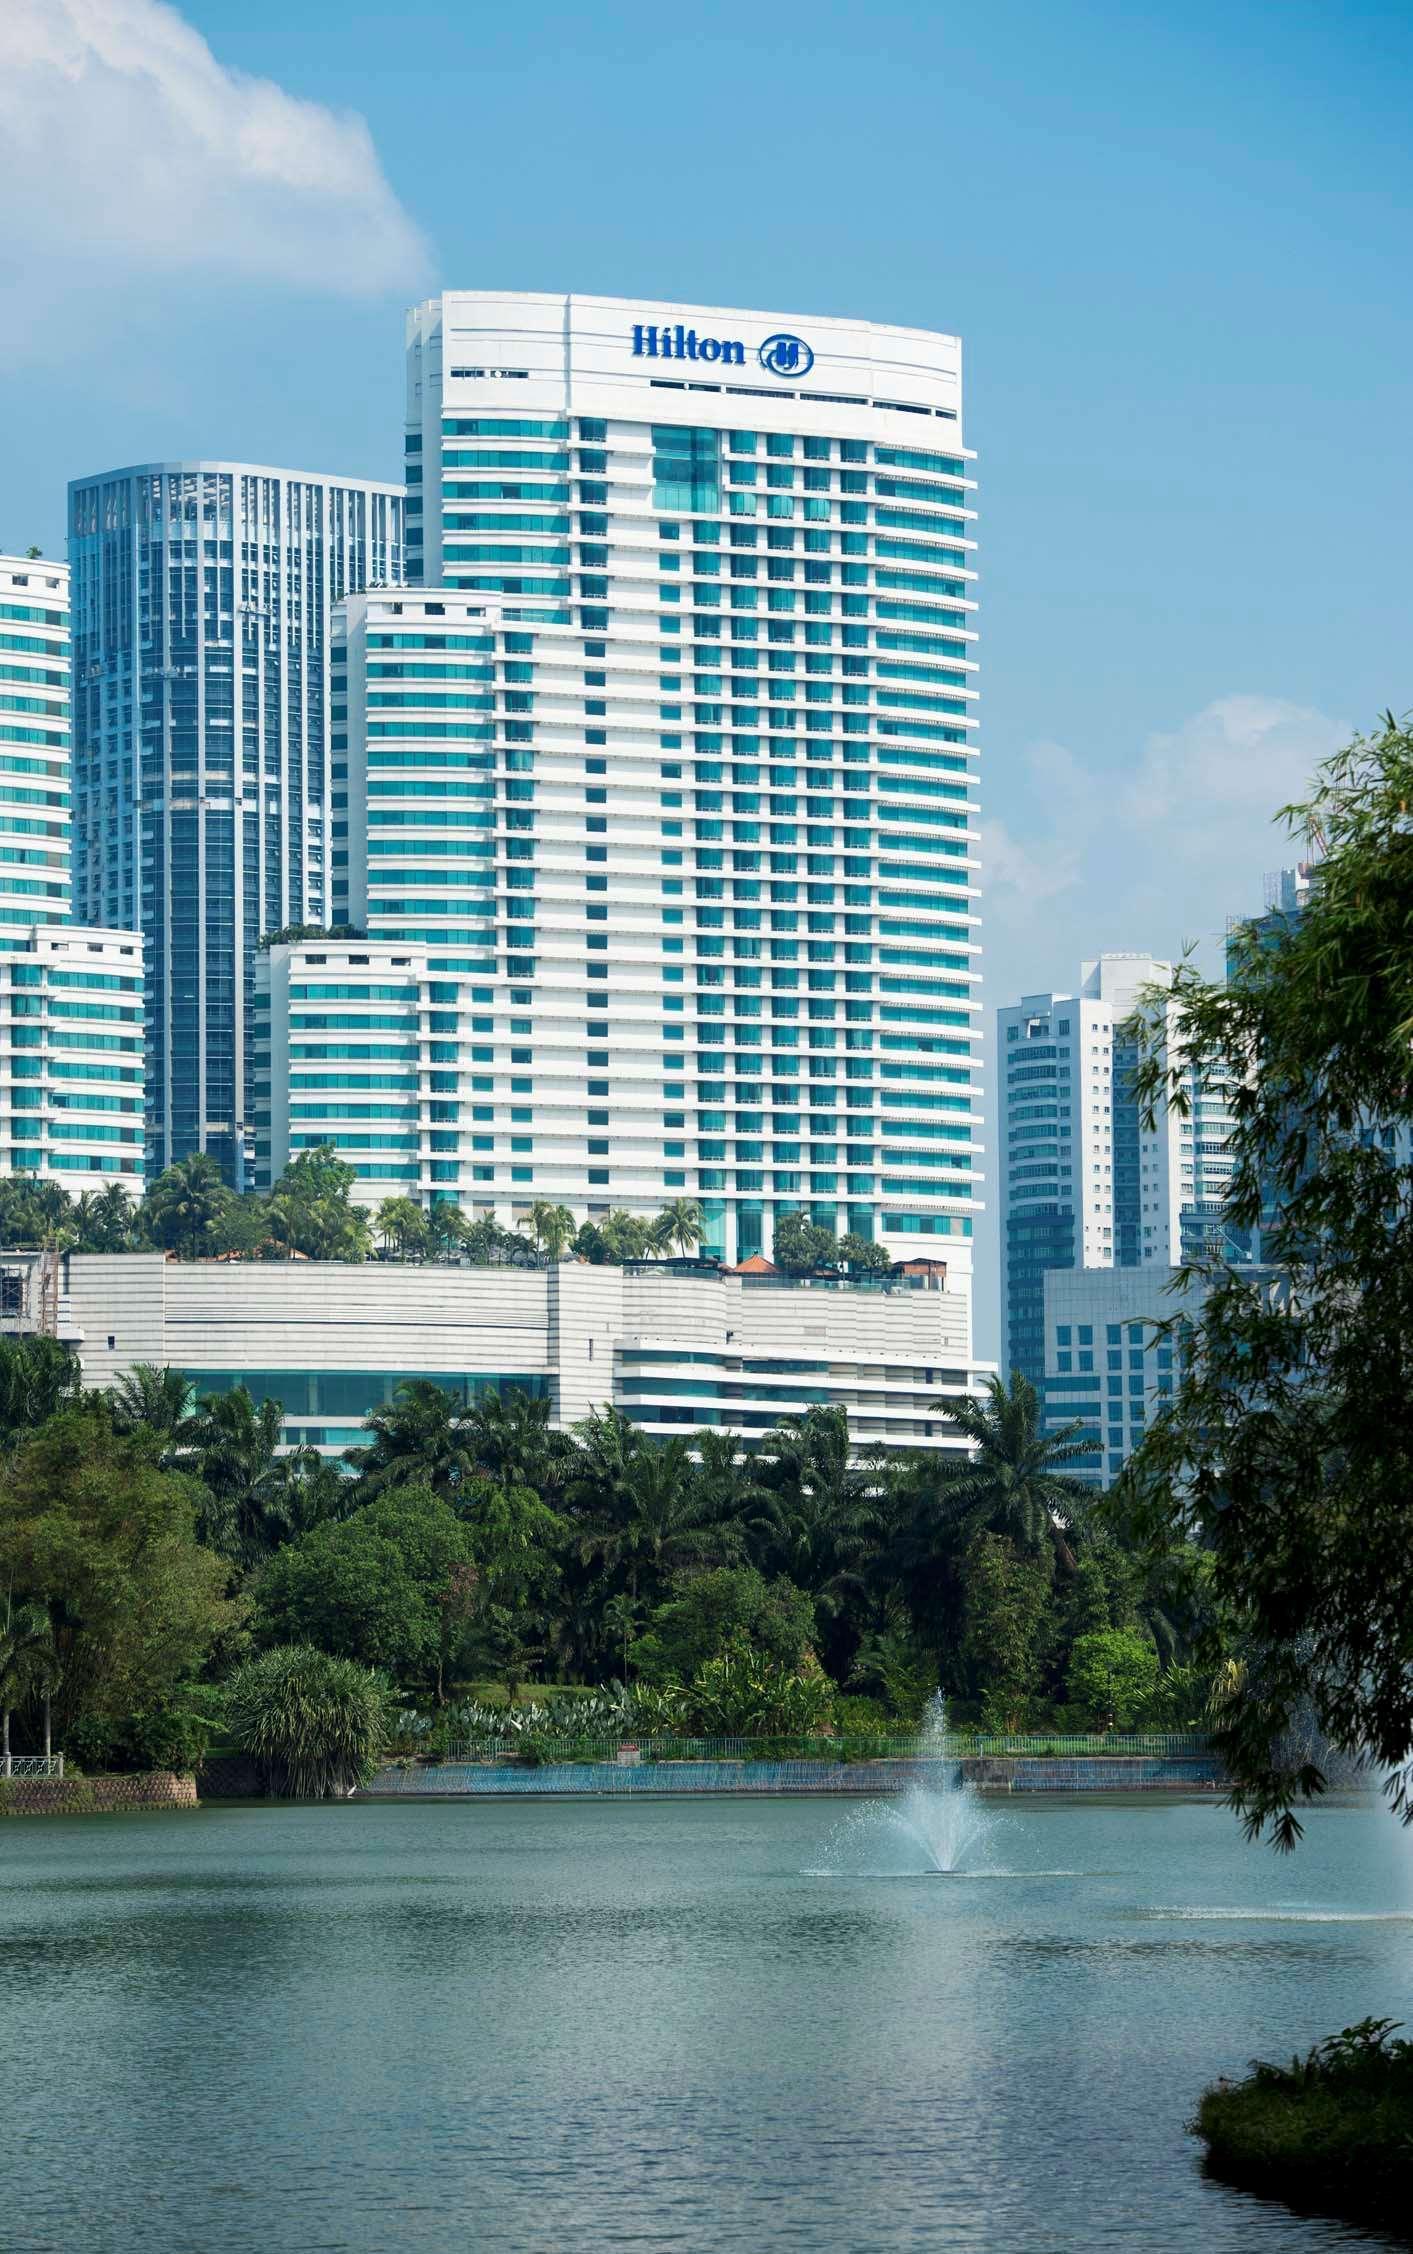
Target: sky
x: 1174, y: 240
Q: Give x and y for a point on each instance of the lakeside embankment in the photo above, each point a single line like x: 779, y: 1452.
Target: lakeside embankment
x: 95, y: 1796
x: 504, y: 1780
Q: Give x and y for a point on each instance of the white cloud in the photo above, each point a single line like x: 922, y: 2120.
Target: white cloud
x: 1240, y: 758
x: 1163, y: 850
x: 129, y: 150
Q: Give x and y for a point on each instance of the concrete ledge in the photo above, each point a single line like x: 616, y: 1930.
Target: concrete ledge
x: 90, y: 1796
x: 664, y: 1779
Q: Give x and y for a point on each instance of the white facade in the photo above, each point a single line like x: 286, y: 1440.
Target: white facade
x: 651, y: 768
x: 71, y: 1066
x: 678, y: 1352
x: 1086, y: 1182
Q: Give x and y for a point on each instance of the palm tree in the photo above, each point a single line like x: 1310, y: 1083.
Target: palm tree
x: 447, y: 1228
x: 185, y: 1207
x: 421, y: 1439
x: 552, y: 1227
x: 37, y: 1376
x: 509, y: 1439
x: 150, y: 1399
x: 400, y: 1224
x: 657, y: 1519
x: 685, y: 1226
x: 1014, y: 1482
x: 822, y: 1507
x: 231, y: 1446
x: 104, y: 1220
x: 728, y: 1474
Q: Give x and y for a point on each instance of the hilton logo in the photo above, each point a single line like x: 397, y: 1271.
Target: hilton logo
x: 780, y: 355
x: 684, y: 344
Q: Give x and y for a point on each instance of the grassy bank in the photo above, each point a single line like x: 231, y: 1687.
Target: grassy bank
x: 1332, y: 2132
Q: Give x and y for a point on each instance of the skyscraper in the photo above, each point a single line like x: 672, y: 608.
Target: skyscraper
x: 666, y: 765
x: 1085, y: 1183
x: 202, y: 600
x: 71, y: 1101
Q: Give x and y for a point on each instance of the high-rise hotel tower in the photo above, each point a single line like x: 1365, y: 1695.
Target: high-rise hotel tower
x: 203, y: 594
x: 662, y: 776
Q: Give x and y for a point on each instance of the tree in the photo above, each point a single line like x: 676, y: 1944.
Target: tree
x: 1015, y: 1483
x: 105, y: 1221
x: 891, y: 1658
x: 97, y: 1533
x: 1288, y: 1450
x: 552, y: 1227
x: 653, y: 1519
x: 315, y: 1724
x: 1007, y: 1623
x: 309, y: 1210
x: 187, y: 1208
x: 707, y: 1611
x: 624, y: 1236
x: 1113, y: 1672
x: 800, y: 1247
x: 231, y: 1445
x: 821, y: 1514
x: 369, y: 1587
x: 447, y: 1229
x: 507, y: 1436
x: 150, y: 1399
x: 683, y: 1223
x: 420, y: 1441
x: 862, y: 1257
x: 33, y: 1213
x: 38, y: 1376
x: 28, y: 1666
x: 401, y: 1226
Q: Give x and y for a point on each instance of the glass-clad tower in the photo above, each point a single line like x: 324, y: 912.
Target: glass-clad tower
x: 719, y: 704
x: 203, y: 594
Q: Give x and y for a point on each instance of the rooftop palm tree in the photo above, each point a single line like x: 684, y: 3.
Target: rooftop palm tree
x: 552, y: 1227
x: 1014, y: 1482
x: 186, y: 1206
x: 400, y: 1225
x: 685, y: 1226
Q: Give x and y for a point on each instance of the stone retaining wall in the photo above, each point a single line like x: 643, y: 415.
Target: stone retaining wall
x: 88, y: 1796
x: 599, y: 1779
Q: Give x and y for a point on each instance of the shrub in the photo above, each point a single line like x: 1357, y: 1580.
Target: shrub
x: 316, y: 1725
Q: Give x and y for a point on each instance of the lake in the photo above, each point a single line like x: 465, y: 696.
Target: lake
x: 691, y: 2025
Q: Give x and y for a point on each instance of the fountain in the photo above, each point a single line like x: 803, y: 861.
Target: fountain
x: 928, y: 1830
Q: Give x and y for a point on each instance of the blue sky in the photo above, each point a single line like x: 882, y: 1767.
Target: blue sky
x: 1176, y: 242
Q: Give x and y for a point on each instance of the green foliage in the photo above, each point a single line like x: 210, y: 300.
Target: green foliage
x: 370, y: 1587
x: 1332, y: 2131
x: 309, y: 1210
x: 1014, y: 1483
x: 729, y: 1604
x: 1008, y: 1622
x: 38, y: 1377
x: 801, y: 1247
x: 740, y: 1693
x: 1112, y: 1675
x: 188, y: 1208
x: 316, y: 1724
x: 97, y: 1534
x: 1288, y: 1451
x: 892, y: 1658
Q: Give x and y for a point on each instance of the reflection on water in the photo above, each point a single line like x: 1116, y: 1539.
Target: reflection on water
x: 440, y: 2028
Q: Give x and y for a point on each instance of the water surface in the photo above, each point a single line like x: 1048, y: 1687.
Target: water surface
x: 672, y: 2025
